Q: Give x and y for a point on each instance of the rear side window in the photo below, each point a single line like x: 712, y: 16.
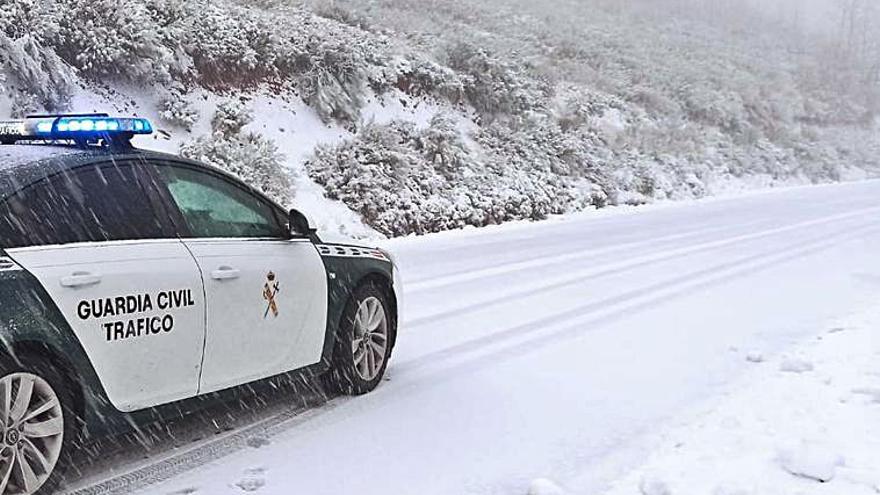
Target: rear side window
x: 213, y: 206
x: 91, y: 203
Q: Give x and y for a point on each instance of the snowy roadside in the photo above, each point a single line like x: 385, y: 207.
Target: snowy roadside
x: 805, y: 422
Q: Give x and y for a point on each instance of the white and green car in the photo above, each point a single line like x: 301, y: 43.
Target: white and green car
x: 130, y: 280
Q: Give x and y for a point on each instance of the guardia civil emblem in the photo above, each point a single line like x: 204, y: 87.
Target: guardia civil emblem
x: 270, y: 290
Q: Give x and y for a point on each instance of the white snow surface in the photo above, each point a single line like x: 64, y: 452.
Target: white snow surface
x: 542, y: 486
x: 615, y: 354
x: 776, y: 432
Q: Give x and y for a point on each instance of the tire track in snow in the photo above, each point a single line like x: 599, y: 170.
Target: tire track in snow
x: 555, y: 259
x: 620, y: 267
x: 575, y: 328
x: 622, y: 303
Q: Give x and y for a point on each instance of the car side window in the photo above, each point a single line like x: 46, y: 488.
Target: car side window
x: 213, y: 206
x: 105, y: 202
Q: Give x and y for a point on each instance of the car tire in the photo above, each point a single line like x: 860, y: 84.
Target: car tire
x: 364, y: 341
x: 33, y: 445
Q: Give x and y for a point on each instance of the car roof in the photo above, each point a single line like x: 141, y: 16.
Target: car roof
x: 23, y: 164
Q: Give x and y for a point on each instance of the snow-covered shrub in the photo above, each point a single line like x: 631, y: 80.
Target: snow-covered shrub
x: 552, y: 157
x: 175, y: 109
x: 41, y: 80
x: 334, y: 81
x: 380, y: 175
x: 216, y: 44
x: 250, y: 156
x: 229, y: 47
x: 441, y: 145
x: 330, y: 65
x: 423, y: 77
x: 341, y: 14
x: 36, y: 19
x: 406, y: 180
x: 230, y: 117
x: 494, y: 86
x: 111, y: 38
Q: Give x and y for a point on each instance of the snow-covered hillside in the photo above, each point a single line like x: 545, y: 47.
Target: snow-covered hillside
x: 402, y: 116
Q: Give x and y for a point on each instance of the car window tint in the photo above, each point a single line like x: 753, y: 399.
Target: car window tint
x: 91, y: 203
x: 215, y: 207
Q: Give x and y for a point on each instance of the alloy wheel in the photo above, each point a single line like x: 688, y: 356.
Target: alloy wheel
x: 370, y: 338
x: 32, y: 433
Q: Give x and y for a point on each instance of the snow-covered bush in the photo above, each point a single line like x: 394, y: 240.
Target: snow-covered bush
x: 330, y: 65
x: 494, y: 86
x: 41, y: 80
x: 334, y: 81
x: 216, y: 44
x: 250, y: 156
x: 175, y: 109
x: 406, y: 180
x: 442, y: 146
x: 110, y: 38
x: 418, y: 76
x: 381, y: 175
x: 230, y: 117
x: 229, y: 46
x: 341, y: 14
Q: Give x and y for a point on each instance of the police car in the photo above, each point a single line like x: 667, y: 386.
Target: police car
x: 132, y: 279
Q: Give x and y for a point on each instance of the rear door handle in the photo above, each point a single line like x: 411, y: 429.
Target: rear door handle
x: 80, y: 279
x: 225, y: 273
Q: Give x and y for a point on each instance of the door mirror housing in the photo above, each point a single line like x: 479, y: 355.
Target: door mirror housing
x: 300, y: 225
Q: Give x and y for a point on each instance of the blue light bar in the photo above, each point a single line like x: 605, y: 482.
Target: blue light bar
x: 80, y: 128
x: 67, y: 127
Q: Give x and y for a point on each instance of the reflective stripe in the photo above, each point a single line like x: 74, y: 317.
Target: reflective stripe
x: 339, y: 251
x: 8, y: 265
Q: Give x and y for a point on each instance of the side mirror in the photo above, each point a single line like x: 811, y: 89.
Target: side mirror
x: 300, y: 225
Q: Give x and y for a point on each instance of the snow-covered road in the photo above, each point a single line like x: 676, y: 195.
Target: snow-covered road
x: 554, y: 350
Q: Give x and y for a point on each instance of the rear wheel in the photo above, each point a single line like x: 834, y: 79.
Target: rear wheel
x: 364, y: 342
x: 37, y: 426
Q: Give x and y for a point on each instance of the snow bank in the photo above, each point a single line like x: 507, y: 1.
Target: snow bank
x: 806, y: 425
x: 542, y: 486
x: 810, y: 461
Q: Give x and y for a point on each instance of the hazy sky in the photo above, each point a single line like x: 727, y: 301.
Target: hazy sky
x: 815, y: 14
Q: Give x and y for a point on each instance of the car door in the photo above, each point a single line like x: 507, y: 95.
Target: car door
x: 266, y: 292
x: 124, y: 282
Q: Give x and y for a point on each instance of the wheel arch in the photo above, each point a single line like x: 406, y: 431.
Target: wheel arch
x: 46, y: 350
x: 345, y: 276
x: 385, y: 283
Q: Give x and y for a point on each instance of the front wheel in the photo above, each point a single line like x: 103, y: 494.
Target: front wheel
x: 37, y: 427
x: 364, y: 341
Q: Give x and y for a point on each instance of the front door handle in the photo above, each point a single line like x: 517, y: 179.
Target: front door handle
x: 225, y: 273
x: 80, y: 279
